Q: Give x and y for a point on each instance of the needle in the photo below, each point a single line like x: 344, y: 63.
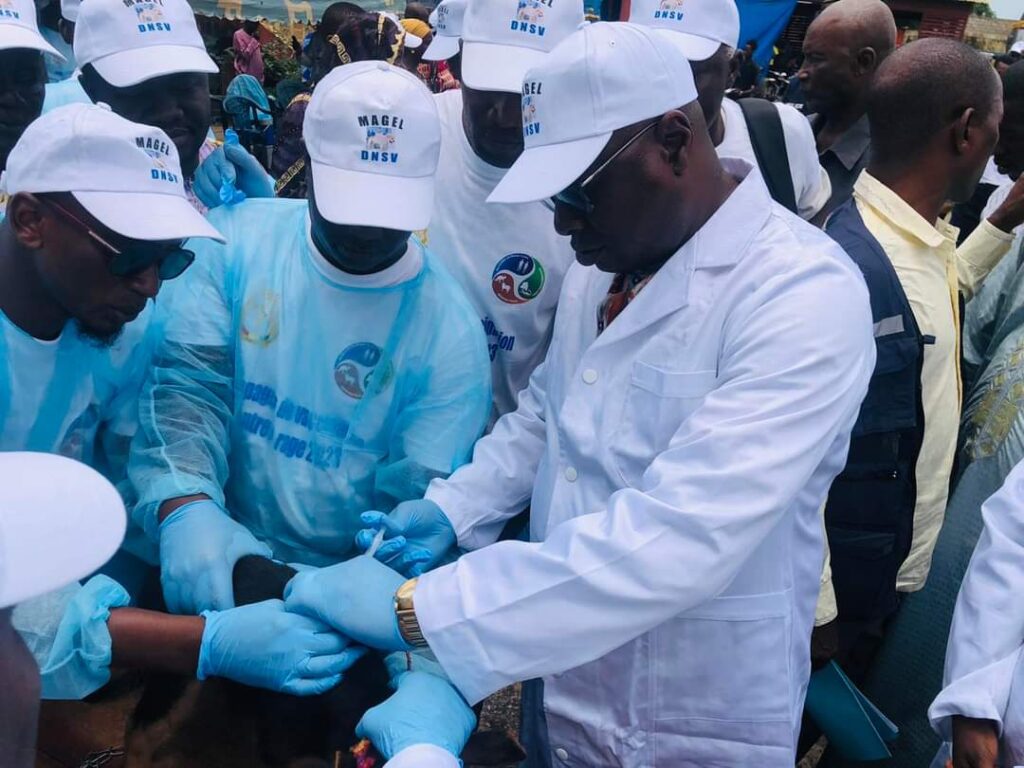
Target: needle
x: 375, y: 544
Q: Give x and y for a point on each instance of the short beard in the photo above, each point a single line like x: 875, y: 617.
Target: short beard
x: 96, y: 338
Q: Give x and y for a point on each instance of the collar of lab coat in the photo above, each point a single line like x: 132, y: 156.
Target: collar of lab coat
x: 721, y: 242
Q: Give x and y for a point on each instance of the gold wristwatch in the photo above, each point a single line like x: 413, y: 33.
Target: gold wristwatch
x: 408, y: 625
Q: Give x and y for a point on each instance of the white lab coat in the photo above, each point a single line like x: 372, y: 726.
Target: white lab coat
x: 984, y: 675
x: 680, y: 460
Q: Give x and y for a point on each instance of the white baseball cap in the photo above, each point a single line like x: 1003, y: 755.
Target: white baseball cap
x: 604, y: 77
x: 59, y: 522
x: 373, y: 137
x: 19, y: 29
x: 446, y: 20
x: 502, y: 39
x: 697, y: 27
x: 1017, y: 47
x: 130, y: 41
x: 125, y: 174
x: 69, y: 9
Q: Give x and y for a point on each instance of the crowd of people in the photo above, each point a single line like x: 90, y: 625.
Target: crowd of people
x: 534, y: 358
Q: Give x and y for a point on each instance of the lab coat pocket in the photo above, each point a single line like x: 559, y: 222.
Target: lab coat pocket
x: 724, y: 667
x: 656, y: 403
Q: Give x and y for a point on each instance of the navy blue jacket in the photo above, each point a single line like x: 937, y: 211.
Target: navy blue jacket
x: 869, y: 516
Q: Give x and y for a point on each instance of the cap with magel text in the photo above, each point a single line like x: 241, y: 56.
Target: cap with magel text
x: 373, y: 137
x: 604, y: 77
x: 130, y: 41
x: 501, y: 39
x: 19, y: 28
x: 447, y: 21
x: 698, y: 27
x: 125, y: 174
x: 59, y: 521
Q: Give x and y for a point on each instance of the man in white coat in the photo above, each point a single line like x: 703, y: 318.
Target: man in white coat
x: 981, y: 706
x: 677, y: 444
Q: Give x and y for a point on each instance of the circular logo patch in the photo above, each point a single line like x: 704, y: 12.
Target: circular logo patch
x: 354, y: 367
x: 260, y: 324
x: 517, y: 278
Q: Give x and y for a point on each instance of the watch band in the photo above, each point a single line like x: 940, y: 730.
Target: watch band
x: 408, y: 625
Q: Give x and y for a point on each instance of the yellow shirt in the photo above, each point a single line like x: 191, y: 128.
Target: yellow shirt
x: 932, y: 273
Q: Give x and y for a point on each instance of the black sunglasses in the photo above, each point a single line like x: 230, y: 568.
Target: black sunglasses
x: 575, y: 195
x: 171, y: 260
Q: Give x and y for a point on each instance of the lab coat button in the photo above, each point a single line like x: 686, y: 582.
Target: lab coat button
x: 561, y: 754
x: 571, y: 474
x: 589, y: 376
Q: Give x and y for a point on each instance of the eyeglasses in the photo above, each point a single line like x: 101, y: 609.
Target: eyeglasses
x: 171, y: 260
x: 575, y: 195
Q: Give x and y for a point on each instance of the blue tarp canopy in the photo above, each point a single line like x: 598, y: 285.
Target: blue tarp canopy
x: 763, y: 20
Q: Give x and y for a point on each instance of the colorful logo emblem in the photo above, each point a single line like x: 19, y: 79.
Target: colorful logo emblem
x: 7, y: 10
x: 531, y: 126
x: 150, y: 17
x: 356, y: 365
x: 260, y: 319
x: 380, y: 145
x: 517, y: 278
x: 529, y: 16
x: 530, y: 11
x: 669, y: 9
x: 159, y: 152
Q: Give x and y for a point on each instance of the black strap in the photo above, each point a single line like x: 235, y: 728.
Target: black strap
x: 769, y: 142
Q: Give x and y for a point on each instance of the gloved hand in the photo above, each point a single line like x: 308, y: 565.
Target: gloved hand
x: 356, y: 598
x: 233, y: 163
x: 263, y: 645
x: 424, y: 710
x: 417, y: 536
x: 199, y: 546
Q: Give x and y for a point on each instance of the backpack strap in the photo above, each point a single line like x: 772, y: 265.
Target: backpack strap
x: 765, y: 127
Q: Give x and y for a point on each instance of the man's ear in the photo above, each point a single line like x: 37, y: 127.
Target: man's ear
x: 734, y: 68
x: 675, y: 134
x: 24, y: 212
x: 866, y: 60
x: 963, y: 130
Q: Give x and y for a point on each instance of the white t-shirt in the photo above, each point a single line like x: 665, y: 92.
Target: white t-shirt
x: 508, y: 258
x: 810, y: 181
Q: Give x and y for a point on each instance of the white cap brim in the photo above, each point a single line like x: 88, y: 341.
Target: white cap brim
x: 22, y: 37
x: 412, y: 42
x: 373, y: 199
x: 693, y: 47
x: 147, y: 217
x: 494, y: 67
x: 442, y: 48
x: 59, y: 522
x: 544, y: 171
x: 127, y: 68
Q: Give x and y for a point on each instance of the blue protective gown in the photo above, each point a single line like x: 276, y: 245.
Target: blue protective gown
x: 299, y: 396
x: 79, y: 399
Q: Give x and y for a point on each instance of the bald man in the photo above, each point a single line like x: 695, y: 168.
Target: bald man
x: 843, y: 49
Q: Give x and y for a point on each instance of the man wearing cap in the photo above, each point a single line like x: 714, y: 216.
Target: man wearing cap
x: 148, y: 62
x: 96, y: 220
x: 22, y: 76
x: 677, y: 443
x: 320, y: 364
x: 707, y: 34
x: 67, y: 89
x: 507, y: 258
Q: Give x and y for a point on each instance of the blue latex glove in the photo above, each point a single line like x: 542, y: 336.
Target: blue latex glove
x: 424, y: 710
x: 263, y: 645
x: 199, y: 546
x: 230, y: 164
x: 356, y: 598
x: 417, y: 536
